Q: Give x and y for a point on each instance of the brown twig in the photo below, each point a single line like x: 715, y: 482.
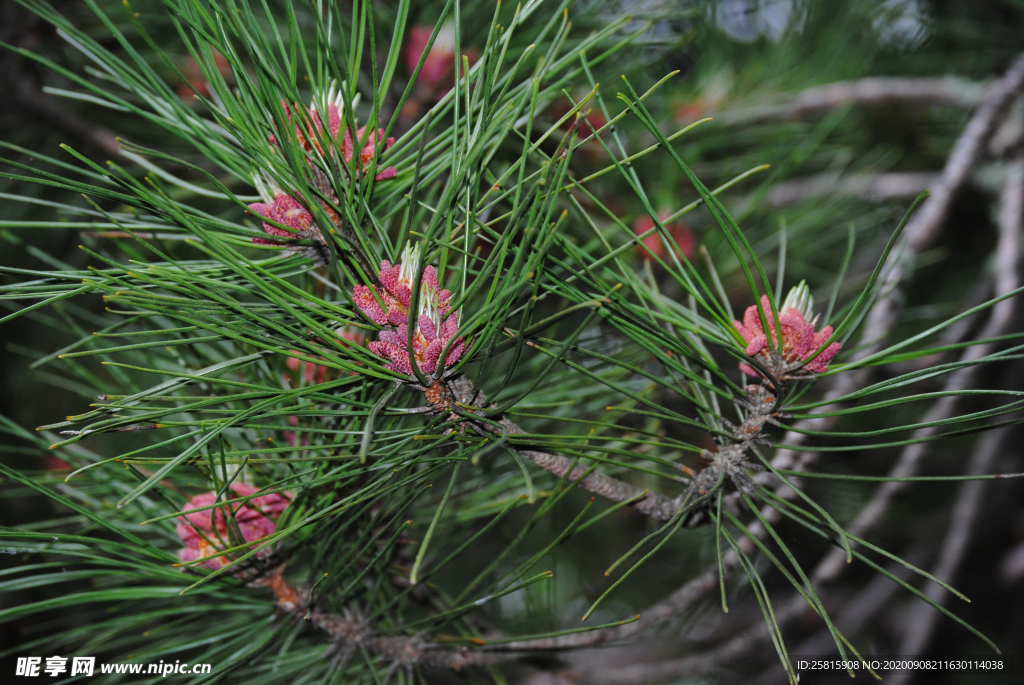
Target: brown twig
x: 461, y: 391
x: 866, y: 92
x: 875, y: 187
x: 1006, y: 273
x: 923, y: 617
x: 969, y: 501
x: 350, y: 632
x: 653, y: 504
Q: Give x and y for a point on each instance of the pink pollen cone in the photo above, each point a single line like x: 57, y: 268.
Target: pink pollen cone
x: 369, y: 148
x: 390, y: 307
x: 309, y: 140
x: 287, y: 211
x: 252, y: 518
x: 799, y: 341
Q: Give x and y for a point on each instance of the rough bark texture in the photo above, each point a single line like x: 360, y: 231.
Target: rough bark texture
x: 350, y: 632
x: 653, y: 504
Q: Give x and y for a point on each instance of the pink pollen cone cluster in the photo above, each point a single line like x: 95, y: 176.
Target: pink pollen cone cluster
x: 435, y: 326
x: 799, y: 341
x: 368, y: 150
x: 252, y: 518
x: 287, y: 211
x: 310, y: 141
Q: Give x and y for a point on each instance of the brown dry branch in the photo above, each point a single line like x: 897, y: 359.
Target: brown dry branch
x: 874, y: 187
x: 920, y: 232
x: 350, y: 632
x: 947, y: 92
x: 970, y: 498
x: 1006, y: 272
x: 924, y: 227
x: 920, y: 624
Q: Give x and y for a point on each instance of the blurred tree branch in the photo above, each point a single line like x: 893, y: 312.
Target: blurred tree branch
x: 947, y: 92
x: 25, y: 99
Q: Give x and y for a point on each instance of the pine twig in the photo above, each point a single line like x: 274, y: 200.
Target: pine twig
x: 350, y: 633
x: 923, y: 619
x: 1006, y: 273
x: 876, y: 187
x: 867, y: 92
x: 653, y: 504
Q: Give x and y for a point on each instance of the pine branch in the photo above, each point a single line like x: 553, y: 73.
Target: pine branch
x: 653, y: 504
x: 350, y: 633
x: 1006, y: 274
x: 963, y: 520
x: 876, y: 188
x: 869, y: 92
x: 879, y: 323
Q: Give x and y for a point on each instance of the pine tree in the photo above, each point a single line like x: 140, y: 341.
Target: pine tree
x: 399, y: 307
